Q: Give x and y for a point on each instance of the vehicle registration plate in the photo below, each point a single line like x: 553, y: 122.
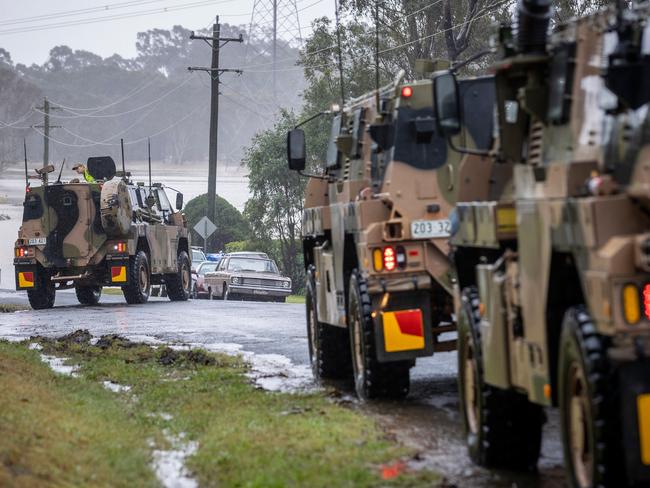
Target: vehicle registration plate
x: 260, y: 292
x: 429, y: 229
x: 38, y: 241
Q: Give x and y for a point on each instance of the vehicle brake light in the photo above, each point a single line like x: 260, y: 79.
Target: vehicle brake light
x: 24, y: 252
x: 407, y: 92
x: 120, y: 247
x: 378, y: 259
x: 646, y: 300
x: 631, y: 305
x: 390, y: 261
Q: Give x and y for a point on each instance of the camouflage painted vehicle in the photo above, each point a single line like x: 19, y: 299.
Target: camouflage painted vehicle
x: 553, y: 295
x: 109, y: 233
x: 375, y: 236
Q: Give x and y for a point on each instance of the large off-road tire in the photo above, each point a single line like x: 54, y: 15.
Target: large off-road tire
x: 45, y: 293
x: 329, y: 346
x: 179, y: 284
x: 372, y: 379
x: 137, y: 291
x: 88, y: 295
x: 503, y: 428
x: 587, y: 394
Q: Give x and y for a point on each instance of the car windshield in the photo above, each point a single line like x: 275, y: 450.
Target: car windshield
x: 207, y: 268
x: 198, y: 255
x: 252, y: 264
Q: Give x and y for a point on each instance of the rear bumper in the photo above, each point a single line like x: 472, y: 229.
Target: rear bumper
x: 29, y: 274
x: 259, y: 291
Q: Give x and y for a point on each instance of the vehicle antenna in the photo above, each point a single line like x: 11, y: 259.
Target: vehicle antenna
x: 123, y: 167
x: 26, y: 173
x: 149, y: 153
x: 58, y: 180
x: 338, y: 40
x: 377, y: 101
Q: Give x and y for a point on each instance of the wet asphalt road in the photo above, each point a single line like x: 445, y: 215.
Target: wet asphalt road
x: 427, y: 420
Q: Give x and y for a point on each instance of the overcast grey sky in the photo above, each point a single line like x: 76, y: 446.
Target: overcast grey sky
x: 119, y: 35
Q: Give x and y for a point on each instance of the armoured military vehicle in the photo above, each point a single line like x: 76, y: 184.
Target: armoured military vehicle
x: 108, y: 233
x: 553, y: 295
x: 375, y: 234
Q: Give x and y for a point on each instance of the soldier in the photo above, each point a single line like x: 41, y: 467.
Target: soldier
x: 82, y: 170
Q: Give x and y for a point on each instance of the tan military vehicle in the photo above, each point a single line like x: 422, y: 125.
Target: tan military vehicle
x: 109, y: 233
x: 375, y: 237
x: 553, y: 296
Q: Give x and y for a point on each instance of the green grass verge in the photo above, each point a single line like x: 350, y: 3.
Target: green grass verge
x: 11, y: 307
x: 246, y: 436
x: 296, y: 299
x: 112, y: 291
x: 60, y: 431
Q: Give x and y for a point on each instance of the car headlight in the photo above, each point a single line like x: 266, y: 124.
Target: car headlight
x: 234, y: 280
x: 286, y: 284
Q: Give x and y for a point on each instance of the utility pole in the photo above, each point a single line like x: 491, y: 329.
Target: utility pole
x: 275, y: 49
x: 46, y: 132
x: 216, y: 42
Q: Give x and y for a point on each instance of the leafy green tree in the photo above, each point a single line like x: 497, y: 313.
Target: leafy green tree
x: 275, y: 207
x: 231, y: 225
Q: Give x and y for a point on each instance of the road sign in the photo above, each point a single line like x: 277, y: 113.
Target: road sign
x: 205, y: 228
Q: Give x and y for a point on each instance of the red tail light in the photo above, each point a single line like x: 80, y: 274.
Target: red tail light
x: 407, y: 92
x: 646, y: 300
x: 390, y: 260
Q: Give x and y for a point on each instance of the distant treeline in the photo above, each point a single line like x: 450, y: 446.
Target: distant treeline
x: 153, y: 94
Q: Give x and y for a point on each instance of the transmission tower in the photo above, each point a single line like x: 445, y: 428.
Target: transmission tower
x: 280, y: 18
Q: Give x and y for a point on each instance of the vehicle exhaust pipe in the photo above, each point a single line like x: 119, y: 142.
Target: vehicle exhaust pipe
x: 533, y: 19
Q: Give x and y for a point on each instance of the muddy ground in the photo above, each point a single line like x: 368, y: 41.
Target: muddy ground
x: 273, y: 337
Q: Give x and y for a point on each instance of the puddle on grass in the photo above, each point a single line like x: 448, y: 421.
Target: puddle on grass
x: 271, y: 372
x: 169, y: 465
x: 56, y: 364
x: 115, y: 387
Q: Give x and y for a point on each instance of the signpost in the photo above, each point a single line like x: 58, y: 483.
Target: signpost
x: 205, y: 228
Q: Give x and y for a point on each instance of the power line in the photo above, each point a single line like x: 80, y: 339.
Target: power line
x: 135, y: 141
x: 137, y: 109
x: 94, y: 20
x: 72, y: 13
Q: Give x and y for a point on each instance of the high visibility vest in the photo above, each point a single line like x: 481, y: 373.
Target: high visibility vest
x: 88, y: 177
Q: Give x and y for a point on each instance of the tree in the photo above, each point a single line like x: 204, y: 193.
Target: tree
x: 275, y: 207
x: 231, y: 225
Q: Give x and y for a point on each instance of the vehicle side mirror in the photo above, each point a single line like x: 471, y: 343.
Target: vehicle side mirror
x: 383, y: 135
x: 296, y: 150
x: 179, y: 201
x: 447, y: 105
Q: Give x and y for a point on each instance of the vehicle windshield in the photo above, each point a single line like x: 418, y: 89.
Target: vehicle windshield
x: 248, y: 264
x: 207, y: 268
x: 198, y: 255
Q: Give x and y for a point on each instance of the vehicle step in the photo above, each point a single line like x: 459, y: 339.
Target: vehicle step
x: 444, y: 328
x: 445, y: 346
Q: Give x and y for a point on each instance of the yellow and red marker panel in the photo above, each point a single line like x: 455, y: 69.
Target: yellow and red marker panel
x: 403, y: 330
x: 25, y: 279
x: 118, y: 274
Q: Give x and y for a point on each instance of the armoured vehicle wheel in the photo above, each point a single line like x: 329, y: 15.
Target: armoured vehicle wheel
x: 179, y: 285
x: 42, y: 297
x: 328, y: 345
x: 88, y: 295
x: 503, y: 428
x: 137, y: 291
x: 588, y: 413
x: 372, y: 379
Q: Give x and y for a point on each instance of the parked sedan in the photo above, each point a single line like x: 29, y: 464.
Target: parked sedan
x: 200, y: 289
x: 248, y: 276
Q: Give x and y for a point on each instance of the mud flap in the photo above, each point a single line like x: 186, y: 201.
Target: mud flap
x: 26, y: 277
x: 635, y: 418
x: 118, y: 272
x: 403, y: 328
